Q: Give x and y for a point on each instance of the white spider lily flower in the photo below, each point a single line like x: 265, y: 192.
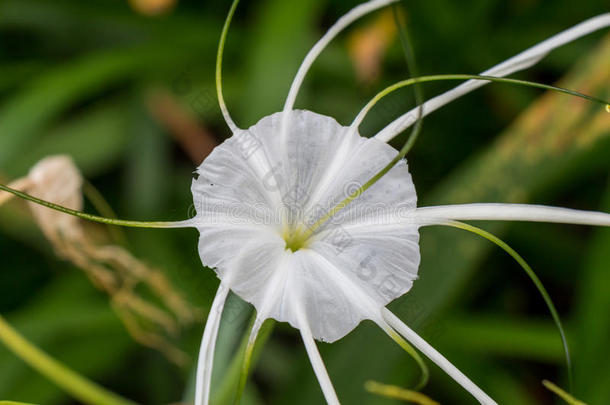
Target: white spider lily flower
x: 291, y: 210
x: 263, y: 199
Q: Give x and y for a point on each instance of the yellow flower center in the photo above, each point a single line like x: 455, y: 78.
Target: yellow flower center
x: 296, y: 238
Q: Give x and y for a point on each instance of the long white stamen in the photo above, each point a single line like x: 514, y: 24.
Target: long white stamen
x: 333, y: 31
x: 316, y: 360
x: 509, y: 212
x: 519, y: 62
x: 437, y: 358
x: 206, y: 351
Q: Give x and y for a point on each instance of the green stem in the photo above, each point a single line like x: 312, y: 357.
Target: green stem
x: 407, y: 47
x: 246, y: 362
x: 425, y: 372
x: 79, y: 387
x: 532, y: 275
x: 561, y: 393
x: 94, y: 218
x: 251, y: 355
x: 394, y: 392
x: 451, y: 77
x: 219, y: 53
x: 13, y: 403
x: 411, y: 141
x: 103, y: 207
x: 226, y: 392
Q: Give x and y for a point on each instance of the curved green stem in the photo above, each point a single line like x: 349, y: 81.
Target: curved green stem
x: 532, y: 275
x: 246, y: 362
x: 411, y: 141
x: 561, y: 393
x: 109, y: 221
x: 226, y: 392
x: 451, y: 77
x: 73, y: 383
x: 221, y: 47
x: 407, y: 47
x: 425, y: 372
x: 391, y: 391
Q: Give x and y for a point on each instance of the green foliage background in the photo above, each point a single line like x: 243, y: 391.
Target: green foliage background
x: 75, y: 77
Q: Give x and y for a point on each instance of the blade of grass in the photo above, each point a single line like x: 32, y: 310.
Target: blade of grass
x: 70, y: 381
x: 592, y: 330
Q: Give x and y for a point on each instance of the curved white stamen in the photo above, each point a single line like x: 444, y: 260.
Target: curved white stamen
x: 509, y: 212
x: 208, y: 343
x: 316, y: 360
x: 519, y: 62
x: 436, y: 357
x: 332, y: 32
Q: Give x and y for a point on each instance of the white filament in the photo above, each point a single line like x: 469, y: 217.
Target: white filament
x: 509, y: 212
x: 316, y: 361
x: 333, y: 31
x: 519, y: 62
x: 206, y: 351
x: 436, y: 357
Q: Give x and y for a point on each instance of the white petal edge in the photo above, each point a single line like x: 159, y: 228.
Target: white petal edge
x: 430, y: 352
x: 521, y: 61
x: 332, y: 32
x: 206, y: 351
x: 509, y: 212
x: 314, y: 357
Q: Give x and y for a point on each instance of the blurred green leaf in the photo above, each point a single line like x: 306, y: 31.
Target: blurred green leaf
x: 73, y: 322
x: 95, y: 140
x: 592, y: 326
x: 273, y: 56
x: 494, y: 336
x: 23, y: 118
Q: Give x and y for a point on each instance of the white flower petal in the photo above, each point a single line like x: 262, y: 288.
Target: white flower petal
x: 436, y: 357
x: 245, y: 259
x: 228, y: 182
x: 347, y: 270
x: 519, y: 62
x: 383, y: 261
x: 206, y: 351
x: 509, y: 212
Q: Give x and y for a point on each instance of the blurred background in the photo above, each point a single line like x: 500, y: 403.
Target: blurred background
x: 126, y: 89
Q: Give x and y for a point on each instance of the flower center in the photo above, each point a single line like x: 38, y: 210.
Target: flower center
x: 296, y: 238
